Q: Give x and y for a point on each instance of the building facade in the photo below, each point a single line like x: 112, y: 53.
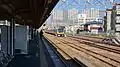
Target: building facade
x: 117, y: 23
x: 112, y: 20
x: 72, y: 15
x: 117, y: 20
x: 82, y: 18
x: 57, y: 15
x: 108, y: 23
x: 91, y: 14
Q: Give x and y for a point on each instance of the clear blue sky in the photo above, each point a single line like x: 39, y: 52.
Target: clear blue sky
x: 79, y: 4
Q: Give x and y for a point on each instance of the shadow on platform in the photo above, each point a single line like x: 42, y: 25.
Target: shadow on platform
x: 24, y: 61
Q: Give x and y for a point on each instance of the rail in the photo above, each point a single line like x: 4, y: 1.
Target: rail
x: 58, y: 48
x: 91, y: 53
x: 89, y: 43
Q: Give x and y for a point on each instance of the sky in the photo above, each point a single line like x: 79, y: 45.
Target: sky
x: 80, y: 4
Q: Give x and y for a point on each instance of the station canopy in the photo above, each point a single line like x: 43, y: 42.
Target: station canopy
x: 27, y: 12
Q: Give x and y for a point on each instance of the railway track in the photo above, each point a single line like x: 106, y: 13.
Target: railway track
x: 109, y: 48
x: 110, y: 61
x: 96, y: 55
x: 104, y: 47
x: 69, y: 57
x: 94, y: 39
x: 65, y: 55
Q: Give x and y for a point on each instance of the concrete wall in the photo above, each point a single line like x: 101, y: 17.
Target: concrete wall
x: 5, y: 38
x: 21, y: 38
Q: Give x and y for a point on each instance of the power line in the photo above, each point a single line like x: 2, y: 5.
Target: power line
x: 63, y: 2
x: 68, y: 5
x: 76, y: 2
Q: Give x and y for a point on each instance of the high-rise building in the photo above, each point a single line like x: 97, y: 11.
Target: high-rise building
x: 73, y: 15
x: 57, y: 15
x: 91, y: 14
x: 115, y: 22
x: 57, y: 18
x: 117, y: 19
x: 65, y: 15
x: 105, y: 24
x: 102, y: 14
x: 113, y: 19
x: 108, y: 24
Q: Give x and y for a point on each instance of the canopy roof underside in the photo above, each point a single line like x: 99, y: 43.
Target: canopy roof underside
x: 27, y: 12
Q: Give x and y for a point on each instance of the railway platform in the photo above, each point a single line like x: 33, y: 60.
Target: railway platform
x: 40, y: 55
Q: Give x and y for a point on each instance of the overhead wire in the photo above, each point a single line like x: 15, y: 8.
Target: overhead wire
x: 70, y: 4
x: 85, y: 1
x: 74, y: 1
x: 61, y: 5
